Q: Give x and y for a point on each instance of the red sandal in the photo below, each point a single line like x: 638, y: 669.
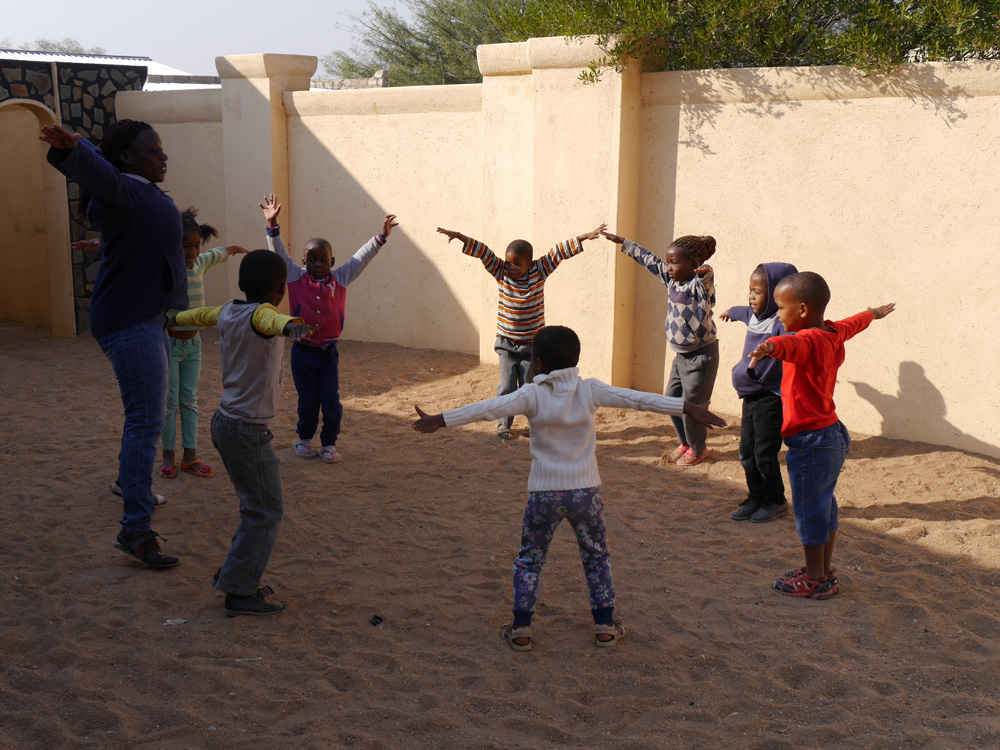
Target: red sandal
x: 204, y: 472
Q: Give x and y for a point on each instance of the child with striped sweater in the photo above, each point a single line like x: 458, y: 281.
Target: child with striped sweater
x: 521, y: 312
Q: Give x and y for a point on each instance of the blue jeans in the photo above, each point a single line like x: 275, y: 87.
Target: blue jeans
x: 814, y: 460
x: 139, y: 357
x: 317, y: 382
x: 542, y: 515
x: 185, y: 372
x: 253, y: 469
x: 515, y: 361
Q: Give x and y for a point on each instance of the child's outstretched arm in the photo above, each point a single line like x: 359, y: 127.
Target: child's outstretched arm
x: 428, y: 423
x: 641, y: 255
x: 349, y: 271
x: 566, y: 249
x: 766, y: 349
x: 453, y: 235
x: 701, y: 415
x: 85, y: 245
x: 271, y: 209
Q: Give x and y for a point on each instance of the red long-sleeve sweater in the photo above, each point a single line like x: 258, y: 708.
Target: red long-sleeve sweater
x: 812, y: 358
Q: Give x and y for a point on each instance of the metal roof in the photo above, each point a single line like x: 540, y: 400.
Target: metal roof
x: 152, y: 67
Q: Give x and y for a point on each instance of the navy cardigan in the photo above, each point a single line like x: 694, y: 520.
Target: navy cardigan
x: 142, y: 271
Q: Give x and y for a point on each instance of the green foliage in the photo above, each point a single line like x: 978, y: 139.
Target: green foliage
x: 67, y: 45
x: 701, y: 34
x: 437, y: 46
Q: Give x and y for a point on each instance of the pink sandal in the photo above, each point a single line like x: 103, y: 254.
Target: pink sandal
x: 167, y: 472
x: 204, y: 471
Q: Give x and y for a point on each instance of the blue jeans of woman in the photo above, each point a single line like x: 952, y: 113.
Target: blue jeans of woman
x: 253, y: 469
x: 542, y: 515
x: 140, y: 358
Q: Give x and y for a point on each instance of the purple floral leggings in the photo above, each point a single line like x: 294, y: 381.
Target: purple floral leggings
x: 585, y: 512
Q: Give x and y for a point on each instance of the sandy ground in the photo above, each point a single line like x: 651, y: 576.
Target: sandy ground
x: 421, y: 530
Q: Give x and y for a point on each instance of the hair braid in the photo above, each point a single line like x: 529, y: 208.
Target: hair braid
x: 697, y: 248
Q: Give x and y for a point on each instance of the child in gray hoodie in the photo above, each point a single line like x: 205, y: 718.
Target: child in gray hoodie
x: 760, y: 390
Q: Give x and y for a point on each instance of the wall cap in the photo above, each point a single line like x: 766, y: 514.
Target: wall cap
x: 467, y: 97
x: 265, y: 65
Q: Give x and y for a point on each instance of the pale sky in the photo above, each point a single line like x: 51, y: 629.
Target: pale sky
x: 189, y: 34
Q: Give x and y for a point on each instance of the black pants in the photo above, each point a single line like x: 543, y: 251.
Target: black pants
x: 760, y: 443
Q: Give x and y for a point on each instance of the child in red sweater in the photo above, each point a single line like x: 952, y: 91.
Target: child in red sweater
x: 817, y: 440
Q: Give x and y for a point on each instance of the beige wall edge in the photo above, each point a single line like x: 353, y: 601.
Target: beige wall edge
x: 503, y: 59
x: 265, y: 65
x: 759, y: 85
x: 403, y: 100
x: 563, y: 52
x: 171, y: 107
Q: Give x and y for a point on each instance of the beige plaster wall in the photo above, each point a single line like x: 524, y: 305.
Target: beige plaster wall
x: 189, y: 124
x: 887, y: 187
x: 353, y: 157
x: 24, y: 283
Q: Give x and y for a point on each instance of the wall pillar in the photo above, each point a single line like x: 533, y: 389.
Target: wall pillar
x: 563, y: 157
x: 255, y: 141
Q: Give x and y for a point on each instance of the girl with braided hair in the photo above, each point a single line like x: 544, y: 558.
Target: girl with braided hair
x: 185, y: 350
x: 690, y: 330
x: 140, y: 277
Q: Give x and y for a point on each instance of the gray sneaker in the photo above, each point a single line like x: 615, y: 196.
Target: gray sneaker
x: 254, y: 604
x: 768, y: 512
x: 746, y: 510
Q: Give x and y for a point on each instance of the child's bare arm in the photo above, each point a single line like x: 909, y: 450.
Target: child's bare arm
x: 702, y: 270
x: 724, y: 315
x: 880, y: 312
x: 428, y: 423
x: 85, y: 245
x: 453, y: 235
x: 59, y: 137
x: 617, y: 239
x: 297, y: 331
x: 764, y: 350
x: 236, y: 250
x: 593, y: 234
x: 388, y: 224
x: 271, y: 209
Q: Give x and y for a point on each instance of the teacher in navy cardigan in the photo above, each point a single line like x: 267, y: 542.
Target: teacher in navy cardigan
x: 141, y: 275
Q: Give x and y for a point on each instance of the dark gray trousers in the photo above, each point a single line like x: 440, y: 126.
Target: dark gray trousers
x: 692, y: 377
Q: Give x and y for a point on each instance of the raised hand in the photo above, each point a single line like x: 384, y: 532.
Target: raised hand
x: 881, y: 312
x: 452, y: 235
x: 702, y: 415
x: 388, y: 224
x: 702, y: 270
x: 724, y: 315
x: 59, y: 137
x: 85, y: 245
x: 764, y: 350
x: 428, y: 422
x: 236, y: 250
x: 613, y: 238
x: 271, y: 209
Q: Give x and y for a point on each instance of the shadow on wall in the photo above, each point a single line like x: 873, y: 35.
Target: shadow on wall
x: 402, y: 297
x: 753, y: 92
x: 919, y: 400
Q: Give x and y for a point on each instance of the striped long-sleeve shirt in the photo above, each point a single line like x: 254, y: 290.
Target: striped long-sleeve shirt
x: 521, y: 309
x: 196, y: 284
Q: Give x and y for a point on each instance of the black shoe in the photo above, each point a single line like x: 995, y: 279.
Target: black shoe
x: 142, y: 545
x: 747, y: 508
x: 253, y: 604
x: 768, y: 512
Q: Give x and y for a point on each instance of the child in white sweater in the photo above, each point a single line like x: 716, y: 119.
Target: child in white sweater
x: 564, y: 481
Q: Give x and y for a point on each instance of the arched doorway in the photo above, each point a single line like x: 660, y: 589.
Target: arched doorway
x: 36, y: 284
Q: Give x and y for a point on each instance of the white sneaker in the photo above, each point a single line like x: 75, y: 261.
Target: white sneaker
x: 117, y: 490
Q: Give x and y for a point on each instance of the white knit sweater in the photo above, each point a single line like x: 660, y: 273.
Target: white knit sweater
x: 560, y: 408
